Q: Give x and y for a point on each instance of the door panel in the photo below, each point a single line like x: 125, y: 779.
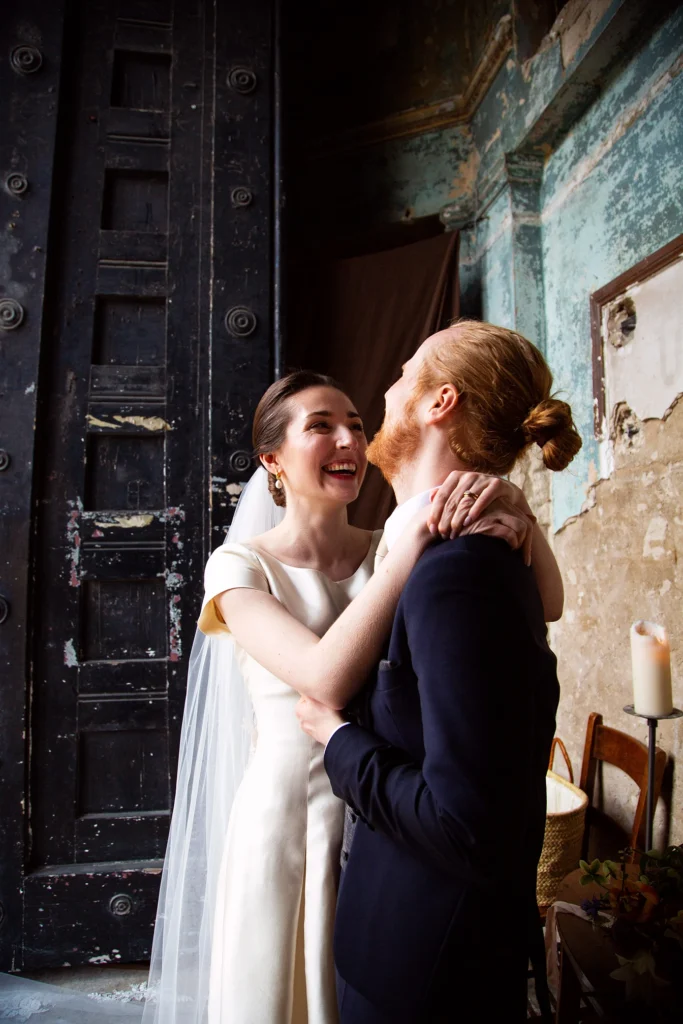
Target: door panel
x: 157, y: 347
x: 26, y: 174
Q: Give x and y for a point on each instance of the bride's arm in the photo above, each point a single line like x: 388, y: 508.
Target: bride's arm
x: 449, y: 512
x: 548, y: 576
x: 331, y: 668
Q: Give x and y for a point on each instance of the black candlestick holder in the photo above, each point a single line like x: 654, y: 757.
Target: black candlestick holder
x: 651, y: 747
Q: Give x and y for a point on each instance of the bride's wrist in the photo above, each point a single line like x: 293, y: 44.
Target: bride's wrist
x: 417, y: 535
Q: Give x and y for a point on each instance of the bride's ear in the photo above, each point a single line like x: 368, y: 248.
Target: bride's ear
x: 269, y: 462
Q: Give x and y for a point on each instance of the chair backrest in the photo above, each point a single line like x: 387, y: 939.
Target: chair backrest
x: 630, y: 755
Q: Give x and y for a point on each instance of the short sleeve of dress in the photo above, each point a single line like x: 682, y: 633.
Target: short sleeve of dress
x: 230, y: 567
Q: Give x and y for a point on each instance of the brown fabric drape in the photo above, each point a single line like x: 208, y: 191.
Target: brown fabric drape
x: 367, y: 315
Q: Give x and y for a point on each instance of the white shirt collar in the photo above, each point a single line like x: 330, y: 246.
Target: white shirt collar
x: 401, y: 516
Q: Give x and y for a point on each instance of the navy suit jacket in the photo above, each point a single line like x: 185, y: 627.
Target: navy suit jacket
x: 447, y: 776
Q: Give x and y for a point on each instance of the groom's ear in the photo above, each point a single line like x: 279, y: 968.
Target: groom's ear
x: 443, y: 404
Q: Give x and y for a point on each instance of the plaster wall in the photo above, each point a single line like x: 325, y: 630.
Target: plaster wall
x: 610, y: 196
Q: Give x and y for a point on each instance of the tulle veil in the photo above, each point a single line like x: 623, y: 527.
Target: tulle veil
x: 215, y: 743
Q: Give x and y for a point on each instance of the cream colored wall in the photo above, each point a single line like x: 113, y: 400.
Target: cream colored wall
x: 621, y: 560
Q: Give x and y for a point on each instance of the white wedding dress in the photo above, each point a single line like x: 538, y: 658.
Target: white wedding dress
x: 246, y: 908
x: 271, y: 958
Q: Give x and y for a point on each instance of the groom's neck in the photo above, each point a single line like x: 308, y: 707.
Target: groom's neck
x: 428, y: 469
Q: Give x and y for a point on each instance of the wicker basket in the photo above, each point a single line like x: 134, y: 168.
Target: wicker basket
x: 564, y: 825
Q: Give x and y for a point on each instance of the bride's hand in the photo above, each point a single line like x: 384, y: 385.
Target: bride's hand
x: 470, y: 502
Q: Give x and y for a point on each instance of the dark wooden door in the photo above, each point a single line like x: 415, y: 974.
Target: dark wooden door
x: 141, y: 264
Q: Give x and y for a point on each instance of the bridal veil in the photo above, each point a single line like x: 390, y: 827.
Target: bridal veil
x: 215, y: 743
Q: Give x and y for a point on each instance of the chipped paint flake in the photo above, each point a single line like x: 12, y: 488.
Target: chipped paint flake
x: 70, y: 657
x: 124, y: 522
x: 175, y: 647
x: 94, y: 422
x: 173, y: 516
x: 73, y: 541
x: 153, y: 423
x: 174, y: 580
x: 653, y: 543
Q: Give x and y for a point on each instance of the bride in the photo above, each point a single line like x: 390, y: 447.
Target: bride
x: 291, y: 607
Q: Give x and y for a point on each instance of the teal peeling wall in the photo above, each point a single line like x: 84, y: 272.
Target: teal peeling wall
x: 424, y: 172
x: 610, y: 193
x: 596, y: 225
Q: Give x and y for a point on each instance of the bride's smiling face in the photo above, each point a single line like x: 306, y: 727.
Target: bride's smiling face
x: 323, y: 455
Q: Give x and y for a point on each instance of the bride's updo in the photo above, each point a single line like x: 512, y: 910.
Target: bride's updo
x: 273, y: 414
x: 504, y: 385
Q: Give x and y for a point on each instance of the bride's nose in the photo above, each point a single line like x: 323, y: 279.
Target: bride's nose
x: 346, y: 439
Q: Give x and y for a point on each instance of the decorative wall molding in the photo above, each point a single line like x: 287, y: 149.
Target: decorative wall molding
x: 512, y: 169
x: 446, y: 113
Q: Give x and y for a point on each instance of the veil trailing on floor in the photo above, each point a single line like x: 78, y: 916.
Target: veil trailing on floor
x: 215, y: 743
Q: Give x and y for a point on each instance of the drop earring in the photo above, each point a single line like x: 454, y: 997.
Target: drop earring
x: 278, y: 481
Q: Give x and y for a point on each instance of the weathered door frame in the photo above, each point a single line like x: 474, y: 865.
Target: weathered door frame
x: 30, y: 68
x: 233, y: 311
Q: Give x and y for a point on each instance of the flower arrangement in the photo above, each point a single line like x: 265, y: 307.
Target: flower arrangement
x: 643, y: 907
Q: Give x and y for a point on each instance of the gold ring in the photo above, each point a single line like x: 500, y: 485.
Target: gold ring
x: 470, y: 494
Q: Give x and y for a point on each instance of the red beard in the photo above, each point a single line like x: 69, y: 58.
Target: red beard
x: 395, y: 443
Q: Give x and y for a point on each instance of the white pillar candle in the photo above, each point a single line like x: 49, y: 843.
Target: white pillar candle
x: 651, y: 662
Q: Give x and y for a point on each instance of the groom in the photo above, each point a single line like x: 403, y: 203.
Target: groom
x: 446, y: 772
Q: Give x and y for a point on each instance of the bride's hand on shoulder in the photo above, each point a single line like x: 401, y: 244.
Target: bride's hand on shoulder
x: 469, y: 502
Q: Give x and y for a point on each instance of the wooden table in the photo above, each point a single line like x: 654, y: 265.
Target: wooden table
x: 587, y: 959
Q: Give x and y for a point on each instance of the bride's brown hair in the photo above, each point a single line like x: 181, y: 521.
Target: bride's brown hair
x: 273, y: 415
x: 504, y: 384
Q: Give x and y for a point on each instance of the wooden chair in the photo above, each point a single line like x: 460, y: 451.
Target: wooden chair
x: 579, y: 962
x: 630, y: 755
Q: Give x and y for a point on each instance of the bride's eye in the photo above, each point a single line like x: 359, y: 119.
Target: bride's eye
x: 320, y: 424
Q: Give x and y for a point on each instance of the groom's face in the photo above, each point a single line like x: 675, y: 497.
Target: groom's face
x: 399, y: 439
x: 405, y: 394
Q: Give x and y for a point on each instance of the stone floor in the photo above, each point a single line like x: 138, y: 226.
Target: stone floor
x: 124, y: 982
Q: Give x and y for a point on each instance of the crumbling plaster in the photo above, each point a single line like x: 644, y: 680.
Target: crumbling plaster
x: 599, y: 225
x: 608, y: 196
x: 622, y: 561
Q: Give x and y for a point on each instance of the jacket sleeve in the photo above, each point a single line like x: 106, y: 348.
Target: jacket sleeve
x: 453, y: 809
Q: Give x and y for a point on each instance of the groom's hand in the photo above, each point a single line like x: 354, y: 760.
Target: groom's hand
x: 318, y: 720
